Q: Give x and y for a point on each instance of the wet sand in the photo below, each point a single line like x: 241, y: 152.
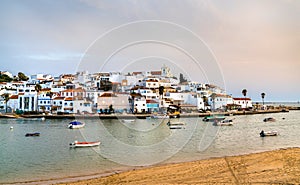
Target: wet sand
x: 272, y: 167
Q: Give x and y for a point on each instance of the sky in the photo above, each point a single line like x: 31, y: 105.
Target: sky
x: 249, y: 44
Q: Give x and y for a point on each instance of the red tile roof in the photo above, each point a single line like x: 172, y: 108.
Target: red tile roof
x: 105, y: 95
x: 242, y: 99
x: 14, y: 97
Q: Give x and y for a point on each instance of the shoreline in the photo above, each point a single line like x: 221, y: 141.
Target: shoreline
x: 278, y: 166
x: 256, y: 167
x: 142, y: 116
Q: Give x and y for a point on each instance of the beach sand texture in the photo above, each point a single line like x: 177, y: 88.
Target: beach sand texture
x: 272, y: 167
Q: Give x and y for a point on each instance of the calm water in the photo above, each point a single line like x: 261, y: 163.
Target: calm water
x: 144, y: 142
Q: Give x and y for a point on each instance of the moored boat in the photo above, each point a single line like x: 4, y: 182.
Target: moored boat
x: 75, y: 124
x: 77, y: 144
x: 268, y: 133
x: 213, y: 118
x: 160, y: 116
x: 227, y: 122
x: 32, y: 134
x: 128, y: 120
x: 176, y: 125
x: 269, y: 119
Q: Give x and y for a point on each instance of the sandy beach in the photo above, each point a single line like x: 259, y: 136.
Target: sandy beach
x: 272, y: 167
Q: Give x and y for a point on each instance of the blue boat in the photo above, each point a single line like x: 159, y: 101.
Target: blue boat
x: 76, y: 124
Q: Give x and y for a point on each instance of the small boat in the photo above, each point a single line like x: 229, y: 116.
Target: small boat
x: 32, y: 134
x: 128, y: 120
x: 76, y: 124
x: 227, y: 122
x: 77, y: 144
x: 176, y: 125
x: 160, y: 116
x: 269, y: 119
x: 268, y: 133
x: 213, y: 118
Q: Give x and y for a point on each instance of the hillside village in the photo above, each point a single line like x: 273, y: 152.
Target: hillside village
x: 107, y: 92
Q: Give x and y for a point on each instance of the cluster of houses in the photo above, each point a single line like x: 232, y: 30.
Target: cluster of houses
x: 133, y: 92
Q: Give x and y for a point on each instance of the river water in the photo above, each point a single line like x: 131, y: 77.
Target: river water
x: 127, y: 144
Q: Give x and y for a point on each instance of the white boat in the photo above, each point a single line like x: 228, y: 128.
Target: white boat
x: 160, y: 116
x: 77, y: 144
x: 128, y: 120
x: 176, y: 125
x: 228, y: 122
x: 268, y: 133
x: 76, y: 124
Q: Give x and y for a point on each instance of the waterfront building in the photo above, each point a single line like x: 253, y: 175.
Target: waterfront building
x: 243, y: 102
x: 118, y: 101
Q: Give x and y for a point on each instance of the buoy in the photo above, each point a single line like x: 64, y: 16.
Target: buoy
x: 11, y: 127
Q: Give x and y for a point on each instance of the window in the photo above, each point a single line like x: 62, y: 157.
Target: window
x: 80, y: 104
x: 41, y: 102
x: 71, y: 104
x: 66, y: 103
x: 60, y: 102
x: 48, y: 102
x: 44, y: 102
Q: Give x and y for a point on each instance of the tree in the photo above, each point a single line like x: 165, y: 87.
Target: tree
x: 22, y: 77
x: 6, y: 98
x: 5, y: 78
x: 161, y: 91
x: 244, y: 92
x: 37, y: 88
x: 263, y: 97
x: 111, y: 109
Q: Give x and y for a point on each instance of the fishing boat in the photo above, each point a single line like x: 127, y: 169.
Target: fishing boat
x: 176, y: 125
x: 268, y: 133
x: 269, y: 119
x: 77, y: 144
x: 76, y: 124
x: 32, y: 134
x: 226, y: 122
x: 213, y: 118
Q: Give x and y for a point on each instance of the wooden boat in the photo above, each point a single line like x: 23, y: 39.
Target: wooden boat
x: 228, y: 122
x: 176, y: 125
x: 213, y: 118
x: 268, y: 133
x: 269, y: 119
x: 32, y: 134
x: 77, y: 144
x: 76, y: 124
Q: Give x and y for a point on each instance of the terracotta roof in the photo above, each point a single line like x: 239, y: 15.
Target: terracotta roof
x: 242, y: 99
x: 46, y: 89
x: 137, y: 73
x: 21, y: 93
x: 59, y: 98
x: 155, y: 72
x: 69, y: 99
x: 108, y: 95
x: 14, y: 97
x: 151, y: 80
x: 151, y: 101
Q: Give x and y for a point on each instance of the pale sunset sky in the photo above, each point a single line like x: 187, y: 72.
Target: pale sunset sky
x: 254, y: 43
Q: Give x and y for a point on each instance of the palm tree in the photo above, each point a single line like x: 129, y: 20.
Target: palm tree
x: 263, y: 97
x: 6, y: 98
x: 244, y: 92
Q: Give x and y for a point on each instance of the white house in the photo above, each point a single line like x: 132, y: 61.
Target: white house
x: 219, y: 101
x: 243, y: 102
